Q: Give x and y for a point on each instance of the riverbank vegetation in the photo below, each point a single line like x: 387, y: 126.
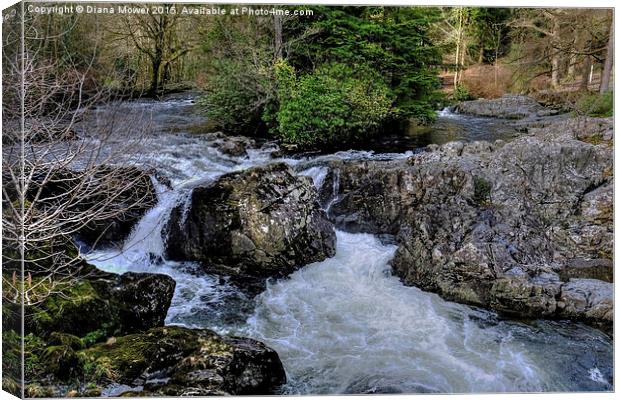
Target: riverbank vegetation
x: 327, y: 79
x: 416, y: 59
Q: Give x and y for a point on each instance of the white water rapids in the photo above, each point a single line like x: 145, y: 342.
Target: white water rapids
x: 346, y: 325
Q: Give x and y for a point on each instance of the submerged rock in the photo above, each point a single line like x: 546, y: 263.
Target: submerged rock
x: 493, y: 225
x: 507, y: 106
x: 261, y: 222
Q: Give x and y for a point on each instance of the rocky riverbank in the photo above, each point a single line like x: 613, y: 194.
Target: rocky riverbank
x: 525, y: 113
x: 105, y: 335
x: 524, y: 228
x: 506, y: 107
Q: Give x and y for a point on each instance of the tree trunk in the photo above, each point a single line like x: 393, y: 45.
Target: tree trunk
x: 609, y: 61
x: 555, y: 57
x: 585, y: 73
x: 586, y: 48
x: 497, y: 44
x: 462, y: 63
x: 154, y: 89
x: 456, y: 64
x: 457, y: 52
x: 277, y: 21
x: 555, y: 71
x: 572, y: 60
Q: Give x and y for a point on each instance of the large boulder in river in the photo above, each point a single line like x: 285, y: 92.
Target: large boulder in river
x: 508, y: 107
x: 504, y: 226
x: 166, y: 361
x: 260, y: 222
x: 104, y: 304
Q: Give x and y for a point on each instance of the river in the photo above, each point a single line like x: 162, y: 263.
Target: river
x: 346, y: 325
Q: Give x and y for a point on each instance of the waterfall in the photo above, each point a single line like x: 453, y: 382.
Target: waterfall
x: 346, y: 325
x: 447, y: 112
x: 200, y: 299
x: 335, y: 189
x: 318, y: 175
x: 146, y: 241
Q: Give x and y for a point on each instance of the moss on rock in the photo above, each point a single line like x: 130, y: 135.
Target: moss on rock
x: 65, y: 339
x: 198, y: 360
x: 62, y: 361
x: 77, y: 310
x: 102, y: 305
x: 128, y: 356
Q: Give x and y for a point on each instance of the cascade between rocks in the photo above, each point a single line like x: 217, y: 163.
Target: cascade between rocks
x: 346, y: 325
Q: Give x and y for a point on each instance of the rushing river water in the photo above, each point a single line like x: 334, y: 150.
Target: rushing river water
x: 346, y: 325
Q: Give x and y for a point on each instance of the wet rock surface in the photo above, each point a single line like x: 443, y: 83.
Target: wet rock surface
x: 588, y: 299
x: 143, y: 299
x: 260, y: 222
x: 510, y: 226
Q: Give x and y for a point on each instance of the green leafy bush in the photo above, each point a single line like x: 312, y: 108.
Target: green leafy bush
x: 596, y: 104
x: 334, y: 104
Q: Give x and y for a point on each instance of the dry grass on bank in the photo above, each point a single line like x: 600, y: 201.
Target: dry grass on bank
x: 482, y: 81
x: 487, y: 81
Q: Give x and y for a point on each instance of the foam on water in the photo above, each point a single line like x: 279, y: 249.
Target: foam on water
x: 597, y: 376
x: 447, y: 113
x: 346, y: 325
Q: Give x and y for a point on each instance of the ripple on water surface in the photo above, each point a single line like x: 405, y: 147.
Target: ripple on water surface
x: 345, y: 325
